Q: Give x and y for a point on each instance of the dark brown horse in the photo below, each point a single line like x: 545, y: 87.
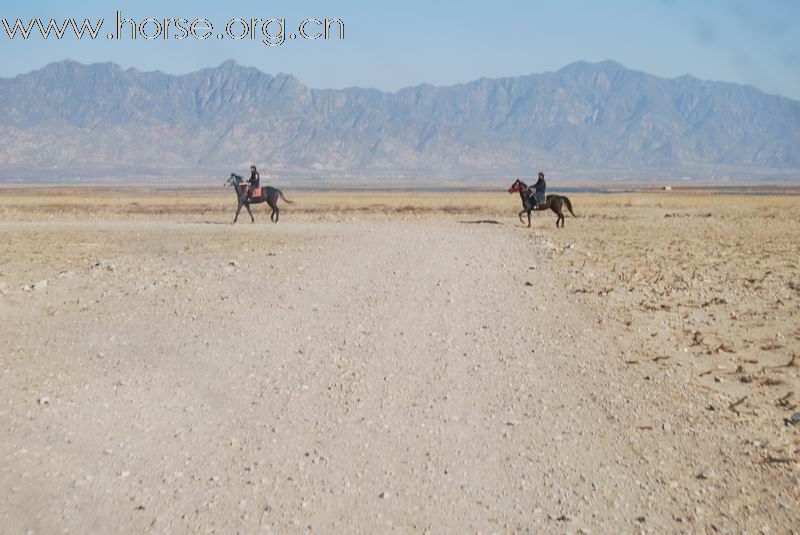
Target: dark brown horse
x: 553, y: 202
x: 268, y: 195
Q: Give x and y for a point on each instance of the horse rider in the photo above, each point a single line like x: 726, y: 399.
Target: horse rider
x: 254, y: 181
x: 538, y: 191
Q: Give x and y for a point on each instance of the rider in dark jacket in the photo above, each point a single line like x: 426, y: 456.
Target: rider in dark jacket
x: 538, y: 191
x: 254, y: 182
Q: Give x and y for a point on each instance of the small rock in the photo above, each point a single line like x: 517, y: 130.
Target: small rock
x: 104, y: 264
x: 794, y: 419
x: 124, y: 474
x: 667, y: 427
x: 44, y: 400
x: 39, y: 286
x: 706, y: 474
x: 384, y: 495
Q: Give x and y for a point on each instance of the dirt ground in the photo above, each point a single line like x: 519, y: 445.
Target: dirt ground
x: 394, y: 362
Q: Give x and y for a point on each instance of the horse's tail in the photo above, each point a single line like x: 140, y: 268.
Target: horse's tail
x: 284, y: 198
x: 569, y: 205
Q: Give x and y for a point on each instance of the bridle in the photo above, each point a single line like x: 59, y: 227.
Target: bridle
x: 516, y: 187
x: 234, y: 180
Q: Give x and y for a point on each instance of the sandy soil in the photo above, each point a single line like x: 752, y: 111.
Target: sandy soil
x: 379, y: 363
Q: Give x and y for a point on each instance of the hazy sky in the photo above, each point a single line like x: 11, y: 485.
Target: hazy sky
x: 389, y: 45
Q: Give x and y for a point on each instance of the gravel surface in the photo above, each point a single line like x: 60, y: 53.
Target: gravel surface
x: 355, y: 377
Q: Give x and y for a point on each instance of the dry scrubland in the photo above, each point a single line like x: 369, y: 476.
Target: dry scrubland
x: 398, y: 361
x: 218, y: 205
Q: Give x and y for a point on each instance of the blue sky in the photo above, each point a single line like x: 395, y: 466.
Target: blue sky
x: 389, y: 45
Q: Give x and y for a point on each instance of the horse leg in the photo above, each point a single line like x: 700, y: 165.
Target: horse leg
x: 252, y: 219
x: 559, y: 215
x: 238, y: 209
x: 277, y: 214
x: 529, y: 219
x: 520, y: 216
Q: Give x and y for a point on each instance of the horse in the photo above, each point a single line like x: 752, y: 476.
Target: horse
x: 553, y: 202
x: 268, y: 195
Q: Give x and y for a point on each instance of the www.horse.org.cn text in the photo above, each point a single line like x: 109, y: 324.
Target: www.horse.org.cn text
x: 270, y: 32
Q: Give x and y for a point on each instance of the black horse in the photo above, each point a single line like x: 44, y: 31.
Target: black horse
x: 268, y: 195
x: 553, y: 202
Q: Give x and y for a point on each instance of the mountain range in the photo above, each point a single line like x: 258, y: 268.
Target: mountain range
x: 69, y: 121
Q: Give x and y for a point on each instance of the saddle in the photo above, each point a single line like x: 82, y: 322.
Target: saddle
x: 252, y: 192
